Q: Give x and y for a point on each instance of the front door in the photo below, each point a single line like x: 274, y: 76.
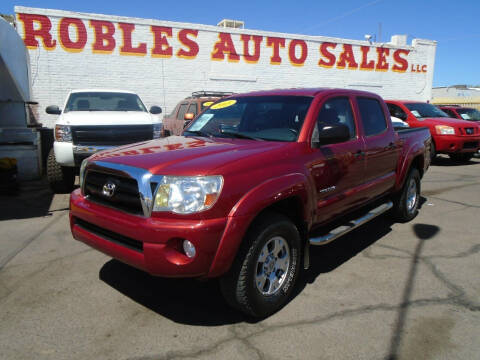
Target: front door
x: 337, y: 169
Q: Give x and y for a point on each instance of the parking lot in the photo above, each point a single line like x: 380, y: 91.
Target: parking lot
x: 384, y: 291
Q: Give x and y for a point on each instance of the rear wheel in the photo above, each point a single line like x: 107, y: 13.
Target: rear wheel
x: 461, y: 158
x: 266, y: 268
x: 433, y: 152
x: 60, y: 178
x: 405, y: 204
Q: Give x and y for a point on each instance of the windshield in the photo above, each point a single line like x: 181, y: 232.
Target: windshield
x: 274, y: 118
x: 104, y: 101
x: 469, y: 114
x: 424, y: 110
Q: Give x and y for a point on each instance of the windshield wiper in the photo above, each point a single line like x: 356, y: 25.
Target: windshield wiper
x: 239, y: 135
x: 199, y: 133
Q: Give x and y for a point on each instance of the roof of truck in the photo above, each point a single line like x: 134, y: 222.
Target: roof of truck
x: 103, y: 90
x: 303, y: 92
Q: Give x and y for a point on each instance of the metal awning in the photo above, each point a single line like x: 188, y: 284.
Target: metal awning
x: 14, y: 66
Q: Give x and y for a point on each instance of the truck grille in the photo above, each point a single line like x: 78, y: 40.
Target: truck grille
x: 471, y: 145
x: 469, y: 131
x: 111, y: 135
x: 114, y: 191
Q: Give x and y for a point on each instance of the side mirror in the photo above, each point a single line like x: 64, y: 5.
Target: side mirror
x: 155, y: 110
x: 53, y: 110
x: 332, y: 134
x: 186, y: 123
x: 189, y: 116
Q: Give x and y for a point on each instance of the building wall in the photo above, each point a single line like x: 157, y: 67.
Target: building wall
x: 165, y: 61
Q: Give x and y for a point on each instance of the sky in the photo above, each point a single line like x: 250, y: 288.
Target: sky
x: 453, y: 24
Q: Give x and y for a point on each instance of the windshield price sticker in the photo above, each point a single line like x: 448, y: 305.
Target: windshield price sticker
x: 200, y: 122
x: 223, y: 104
x: 465, y: 116
x: 415, y: 113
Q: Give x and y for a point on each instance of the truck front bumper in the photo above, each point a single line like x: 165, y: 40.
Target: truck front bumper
x: 457, y: 144
x: 68, y: 154
x: 151, y: 244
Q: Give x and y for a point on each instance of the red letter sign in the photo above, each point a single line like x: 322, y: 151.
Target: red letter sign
x: 103, y: 31
x: 127, y: 48
x: 42, y: 31
x: 64, y: 34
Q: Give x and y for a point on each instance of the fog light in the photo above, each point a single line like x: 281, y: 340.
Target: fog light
x: 189, y: 249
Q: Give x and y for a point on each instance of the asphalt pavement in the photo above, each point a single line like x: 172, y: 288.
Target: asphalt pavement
x: 384, y: 291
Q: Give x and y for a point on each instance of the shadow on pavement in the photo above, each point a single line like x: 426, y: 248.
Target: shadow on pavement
x: 185, y: 301
x: 31, y: 199
x: 423, y: 232
x: 446, y: 161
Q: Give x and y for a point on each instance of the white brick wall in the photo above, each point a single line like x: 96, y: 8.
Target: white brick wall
x: 165, y: 81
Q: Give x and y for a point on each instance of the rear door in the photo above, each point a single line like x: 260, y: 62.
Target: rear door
x: 381, y: 148
x: 337, y: 169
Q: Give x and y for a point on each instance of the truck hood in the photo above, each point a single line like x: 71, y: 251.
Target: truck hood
x: 446, y: 121
x: 179, y: 155
x: 105, y: 118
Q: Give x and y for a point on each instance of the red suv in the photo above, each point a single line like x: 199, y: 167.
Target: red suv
x: 187, y: 109
x: 459, y: 139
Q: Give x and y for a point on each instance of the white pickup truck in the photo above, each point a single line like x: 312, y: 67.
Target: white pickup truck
x: 94, y: 120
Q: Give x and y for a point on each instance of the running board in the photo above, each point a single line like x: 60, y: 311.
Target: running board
x: 353, y: 224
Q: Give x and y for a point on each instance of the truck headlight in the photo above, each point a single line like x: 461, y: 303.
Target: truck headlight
x: 157, y: 130
x: 444, y: 130
x: 187, y: 194
x: 82, y: 173
x: 63, y: 133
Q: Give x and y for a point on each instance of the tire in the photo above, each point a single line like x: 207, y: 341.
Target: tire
x: 461, y: 158
x: 433, y: 152
x: 405, y: 204
x: 60, y: 178
x: 271, y: 250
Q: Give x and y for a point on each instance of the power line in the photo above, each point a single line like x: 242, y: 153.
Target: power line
x: 348, y: 13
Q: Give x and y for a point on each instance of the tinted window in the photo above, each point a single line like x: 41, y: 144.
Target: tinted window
x: 104, y: 101
x: 373, y: 118
x: 449, y: 113
x: 337, y: 111
x: 396, y: 111
x: 423, y: 110
x: 182, y: 111
x: 275, y: 118
x: 469, y: 114
x: 192, y: 109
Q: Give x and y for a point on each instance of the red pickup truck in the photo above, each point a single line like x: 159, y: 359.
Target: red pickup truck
x: 253, y: 182
x: 459, y: 139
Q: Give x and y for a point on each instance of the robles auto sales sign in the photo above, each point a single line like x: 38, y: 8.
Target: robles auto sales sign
x: 105, y: 37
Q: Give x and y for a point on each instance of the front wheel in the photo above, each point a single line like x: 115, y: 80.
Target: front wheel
x: 266, y: 268
x: 60, y: 178
x: 405, y: 204
x: 433, y: 152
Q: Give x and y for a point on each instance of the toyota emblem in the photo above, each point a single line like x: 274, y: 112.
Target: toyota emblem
x: 109, y: 189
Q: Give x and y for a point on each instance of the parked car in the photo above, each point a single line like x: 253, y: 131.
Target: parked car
x: 94, y: 120
x: 460, y: 112
x: 459, y: 139
x: 188, y: 108
x: 252, y: 183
